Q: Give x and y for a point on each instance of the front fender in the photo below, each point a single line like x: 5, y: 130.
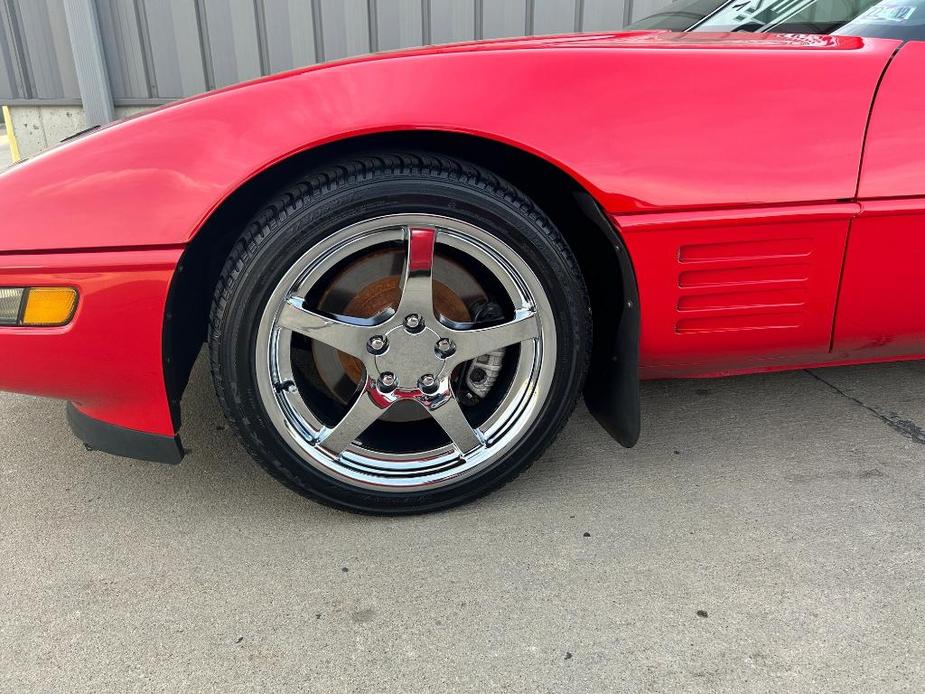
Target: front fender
x: 640, y: 124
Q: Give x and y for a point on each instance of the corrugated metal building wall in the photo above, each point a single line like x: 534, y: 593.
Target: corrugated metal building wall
x: 158, y: 50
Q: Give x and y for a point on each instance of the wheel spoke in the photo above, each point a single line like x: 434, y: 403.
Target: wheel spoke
x: 366, y: 409
x: 417, y: 278
x: 477, y: 341
x: 450, y: 417
x: 339, y: 334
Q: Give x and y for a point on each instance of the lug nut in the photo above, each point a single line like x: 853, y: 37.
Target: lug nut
x: 427, y: 383
x: 387, y: 382
x: 414, y: 322
x: 377, y: 344
x: 445, y: 347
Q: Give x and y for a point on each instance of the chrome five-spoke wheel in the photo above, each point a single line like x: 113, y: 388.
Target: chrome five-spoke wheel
x: 404, y: 350
x: 409, y: 352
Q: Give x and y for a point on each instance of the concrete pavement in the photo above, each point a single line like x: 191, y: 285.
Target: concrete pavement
x: 767, y: 535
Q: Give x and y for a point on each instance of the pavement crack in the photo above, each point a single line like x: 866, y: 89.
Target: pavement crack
x: 902, y: 426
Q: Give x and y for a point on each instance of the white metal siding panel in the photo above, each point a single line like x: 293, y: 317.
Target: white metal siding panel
x: 158, y: 50
x: 452, y: 20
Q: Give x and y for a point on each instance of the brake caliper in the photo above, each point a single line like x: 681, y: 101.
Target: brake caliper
x: 483, y: 371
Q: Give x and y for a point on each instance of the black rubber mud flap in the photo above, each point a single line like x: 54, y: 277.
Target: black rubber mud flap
x: 612, y: 388
x: 102, y: 436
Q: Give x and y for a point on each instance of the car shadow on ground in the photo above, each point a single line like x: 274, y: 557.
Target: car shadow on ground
x: 685, y: 422
x: 784, y: 426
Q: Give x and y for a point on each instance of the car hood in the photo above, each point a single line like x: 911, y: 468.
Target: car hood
x: 626, y: 40
x: 652, y: 39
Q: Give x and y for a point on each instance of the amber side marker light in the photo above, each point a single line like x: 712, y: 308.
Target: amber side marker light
x: 37, y: 307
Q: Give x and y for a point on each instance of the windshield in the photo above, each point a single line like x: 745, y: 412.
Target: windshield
x: 896, y: 19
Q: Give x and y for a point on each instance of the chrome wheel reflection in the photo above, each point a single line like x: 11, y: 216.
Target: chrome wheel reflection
x: 410, y: 354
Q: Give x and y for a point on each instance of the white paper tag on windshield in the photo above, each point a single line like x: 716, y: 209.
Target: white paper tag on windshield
x: 889, y: 13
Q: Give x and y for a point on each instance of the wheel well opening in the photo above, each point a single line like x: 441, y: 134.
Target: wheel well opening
x: 591, y: 237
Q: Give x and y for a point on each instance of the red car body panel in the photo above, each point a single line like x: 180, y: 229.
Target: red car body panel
x: 735, y: 290
x: 895, y: 146
x: 883, y: 290
x: 108, y: 360
x: 615, y: 125
x: 879, y: 314
x: 729, y: 169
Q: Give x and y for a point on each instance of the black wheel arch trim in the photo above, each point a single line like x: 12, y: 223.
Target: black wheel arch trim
x: 128, y: 443
x: 612, y: 389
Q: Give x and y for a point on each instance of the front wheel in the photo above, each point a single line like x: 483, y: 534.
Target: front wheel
x: 399, y: 334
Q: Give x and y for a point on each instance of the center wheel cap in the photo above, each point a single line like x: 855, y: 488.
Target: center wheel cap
x: 410, y: 356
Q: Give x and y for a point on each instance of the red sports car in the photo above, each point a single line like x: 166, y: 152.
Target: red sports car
x: 407, y: 267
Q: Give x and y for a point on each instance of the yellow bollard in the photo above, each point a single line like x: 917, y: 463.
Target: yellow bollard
x: 14, y: 146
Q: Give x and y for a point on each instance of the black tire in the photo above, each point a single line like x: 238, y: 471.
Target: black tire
x: 360, y: 188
